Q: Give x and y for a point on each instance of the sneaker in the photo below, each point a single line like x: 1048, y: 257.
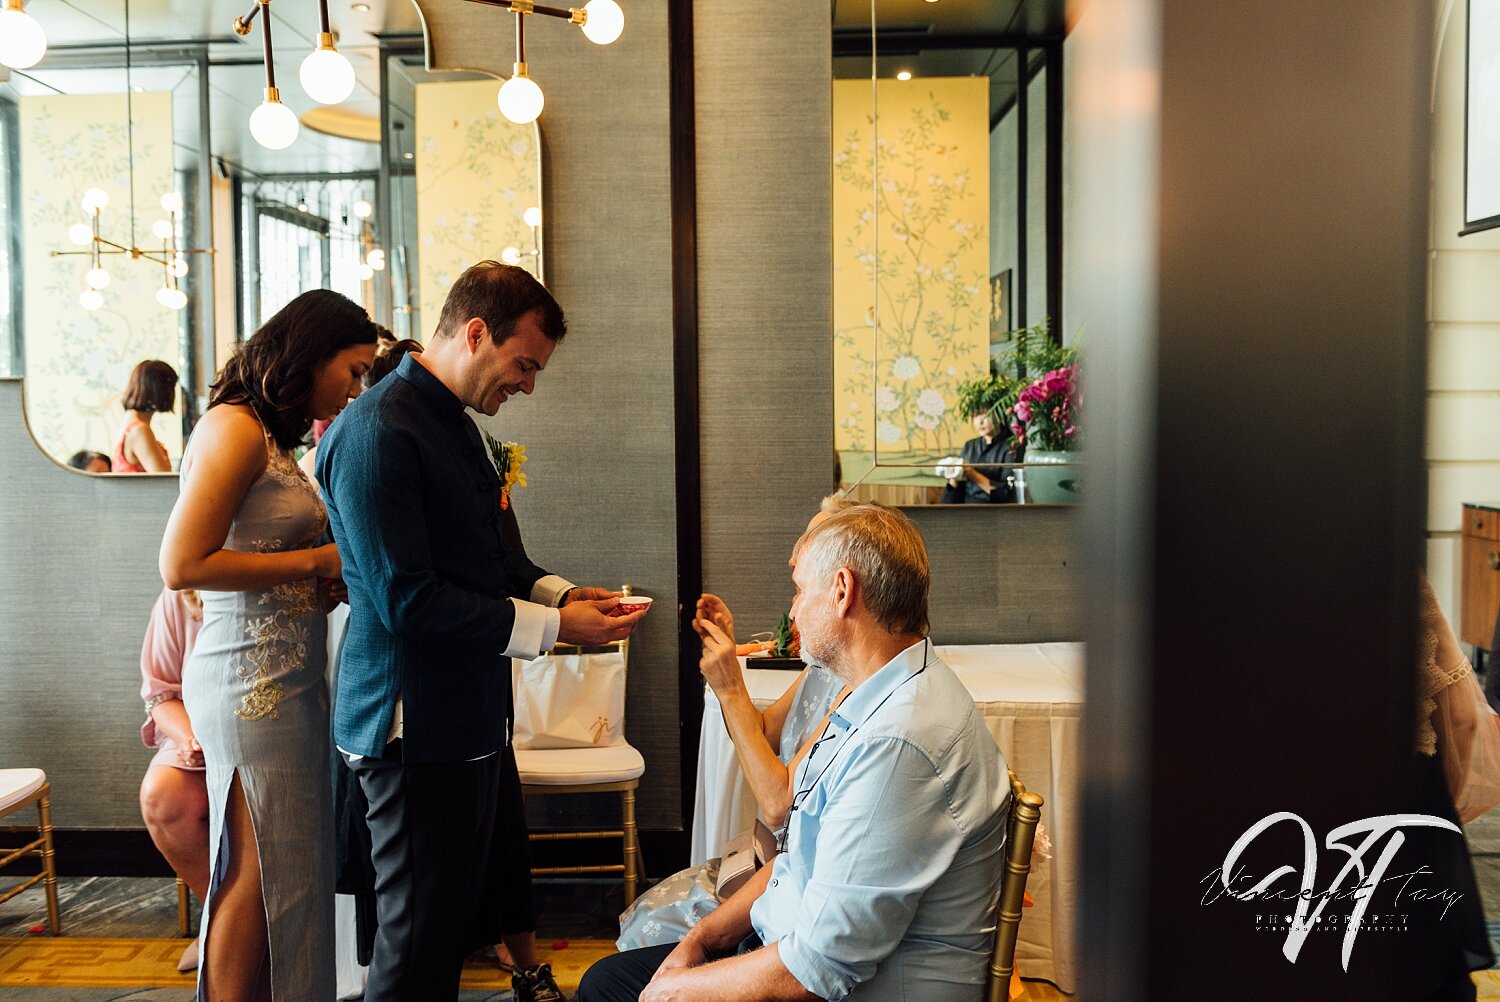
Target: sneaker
x: 536, y: 984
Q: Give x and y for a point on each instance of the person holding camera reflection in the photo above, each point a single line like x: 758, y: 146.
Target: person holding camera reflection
x: 980, y: 480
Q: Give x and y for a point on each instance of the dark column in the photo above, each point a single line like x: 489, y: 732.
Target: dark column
x: 1252, y: 225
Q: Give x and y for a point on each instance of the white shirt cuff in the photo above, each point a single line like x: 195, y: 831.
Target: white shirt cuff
x: 549, y: 590
x: 535, y: 630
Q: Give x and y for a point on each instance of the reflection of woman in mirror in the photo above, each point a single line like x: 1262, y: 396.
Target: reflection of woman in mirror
x: 979, y: 482
x: 152, y: 388
x: 248, y: 531
x: 174, y: 797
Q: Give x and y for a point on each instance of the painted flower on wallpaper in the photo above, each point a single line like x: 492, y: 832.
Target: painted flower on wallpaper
x: 933, y: 251
x: 476, y: 172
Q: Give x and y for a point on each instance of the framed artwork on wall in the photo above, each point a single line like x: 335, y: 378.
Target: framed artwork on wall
x: 1000, y: 311
x: 1482, y: 118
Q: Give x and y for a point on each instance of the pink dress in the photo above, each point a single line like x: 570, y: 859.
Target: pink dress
x: 169, y: 639
x: 117, y: 462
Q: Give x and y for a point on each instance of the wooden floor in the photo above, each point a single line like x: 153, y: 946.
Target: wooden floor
x: 118, y: 944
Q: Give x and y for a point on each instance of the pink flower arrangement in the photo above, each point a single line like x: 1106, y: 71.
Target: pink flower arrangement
x: 1045, y: 415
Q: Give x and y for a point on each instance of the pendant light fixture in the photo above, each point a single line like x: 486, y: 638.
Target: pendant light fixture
x: 273, y: 124
x: 171, y: 258
x: 327, y: 75
x: 520, y: 98
x: 22, y: 40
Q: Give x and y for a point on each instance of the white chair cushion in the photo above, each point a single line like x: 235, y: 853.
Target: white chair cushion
x: 579, y: 766
x: 18, y: 784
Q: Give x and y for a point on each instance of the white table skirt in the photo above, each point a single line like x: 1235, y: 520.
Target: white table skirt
x: 1031, y: 698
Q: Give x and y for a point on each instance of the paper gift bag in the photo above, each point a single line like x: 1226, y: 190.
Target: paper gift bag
x: 569, y: 700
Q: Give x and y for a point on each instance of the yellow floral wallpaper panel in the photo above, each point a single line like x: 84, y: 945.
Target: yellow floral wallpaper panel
x: 77, y: 361
x: 894, y: 388
x: 477, y: 173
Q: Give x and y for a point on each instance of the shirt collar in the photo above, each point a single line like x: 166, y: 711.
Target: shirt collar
x: 430, y: 388
x: 860, y: 703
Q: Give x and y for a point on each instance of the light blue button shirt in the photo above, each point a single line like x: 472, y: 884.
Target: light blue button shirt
x: 888, y: 884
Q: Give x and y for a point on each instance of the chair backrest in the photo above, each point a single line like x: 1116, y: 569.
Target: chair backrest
x: 1020, y: 834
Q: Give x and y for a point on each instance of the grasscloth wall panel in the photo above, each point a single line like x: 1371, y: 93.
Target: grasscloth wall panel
x: 601, y: 501
x: 764, y: 270
x: 79, y: 576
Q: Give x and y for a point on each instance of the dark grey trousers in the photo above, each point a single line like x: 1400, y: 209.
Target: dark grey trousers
x: 430, y: 832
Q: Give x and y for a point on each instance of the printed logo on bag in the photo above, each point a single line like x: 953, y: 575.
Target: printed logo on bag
x: 1369, y: 891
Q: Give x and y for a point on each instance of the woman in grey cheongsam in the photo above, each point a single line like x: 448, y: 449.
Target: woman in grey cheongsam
x: 248, y: 531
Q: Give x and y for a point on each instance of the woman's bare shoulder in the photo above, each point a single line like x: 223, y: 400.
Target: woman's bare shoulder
x: 228, y: 433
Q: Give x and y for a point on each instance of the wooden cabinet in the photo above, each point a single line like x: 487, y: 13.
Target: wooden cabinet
x: 1481, y: 574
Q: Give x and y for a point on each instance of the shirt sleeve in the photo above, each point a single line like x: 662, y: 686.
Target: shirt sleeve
x: 885, y: 836
x: 376, y: 495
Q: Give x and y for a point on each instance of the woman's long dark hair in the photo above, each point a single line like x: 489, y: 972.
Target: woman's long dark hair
x: 273, y: 372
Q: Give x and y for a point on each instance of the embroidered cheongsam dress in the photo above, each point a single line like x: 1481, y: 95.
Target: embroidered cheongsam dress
x: 254, y: 688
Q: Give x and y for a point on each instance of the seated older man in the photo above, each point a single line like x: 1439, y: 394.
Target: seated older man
x: 886, y: 885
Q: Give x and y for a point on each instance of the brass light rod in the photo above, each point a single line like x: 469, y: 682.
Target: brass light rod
x: 527, y: 7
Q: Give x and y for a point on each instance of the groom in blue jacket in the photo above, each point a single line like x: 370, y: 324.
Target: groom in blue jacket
x: 439, y: 603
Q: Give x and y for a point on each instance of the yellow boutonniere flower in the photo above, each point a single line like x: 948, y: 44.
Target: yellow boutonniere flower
x: 508, y: 458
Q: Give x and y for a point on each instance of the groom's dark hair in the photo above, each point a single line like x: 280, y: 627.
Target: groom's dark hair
x: 499, y: 294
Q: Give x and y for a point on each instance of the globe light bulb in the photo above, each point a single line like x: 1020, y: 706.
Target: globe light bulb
x: 365, y: 272
x: 511, y: 255
x: 376, y: 259
x: 22, y: 40
x: 327, y: 75
x: 273, y: 124
x: 81, y: 234
x: 521, y: 99
x: 162, y: 229
x: 605, y: 21
x: 97, y: 278
x: 179, y: 266
x: 164, y: 296
x: 178, y: 300
x: 90, y: 299
x: 94, y: 200
x: 532, y: 217
x: 171, y: 202
x: 363, y: 209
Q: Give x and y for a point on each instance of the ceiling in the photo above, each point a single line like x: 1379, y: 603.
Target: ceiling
x: 82, y: 34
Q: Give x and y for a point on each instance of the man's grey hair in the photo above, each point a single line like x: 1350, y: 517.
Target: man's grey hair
x: 887, y: 556
x: 835, y: 502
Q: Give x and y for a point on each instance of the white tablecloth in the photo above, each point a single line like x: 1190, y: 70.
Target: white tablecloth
x: 1031, y: 697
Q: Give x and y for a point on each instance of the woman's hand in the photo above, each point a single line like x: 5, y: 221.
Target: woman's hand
x: 190, y: 753
x: 326, y: 561
x: 331, y: 592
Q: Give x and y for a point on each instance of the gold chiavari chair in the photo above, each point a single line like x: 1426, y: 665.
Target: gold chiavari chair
x: 1020, y: 834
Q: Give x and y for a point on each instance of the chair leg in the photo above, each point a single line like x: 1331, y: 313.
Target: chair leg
x: 183, y: 912
x: 49, y: 864
x: 632, y: 848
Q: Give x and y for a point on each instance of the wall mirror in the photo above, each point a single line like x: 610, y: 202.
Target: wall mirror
x: 947, y: 202
x: 141, y: 100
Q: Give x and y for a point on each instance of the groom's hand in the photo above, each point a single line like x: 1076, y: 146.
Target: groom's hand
x: 586, y: 623
x: 589, y: 595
